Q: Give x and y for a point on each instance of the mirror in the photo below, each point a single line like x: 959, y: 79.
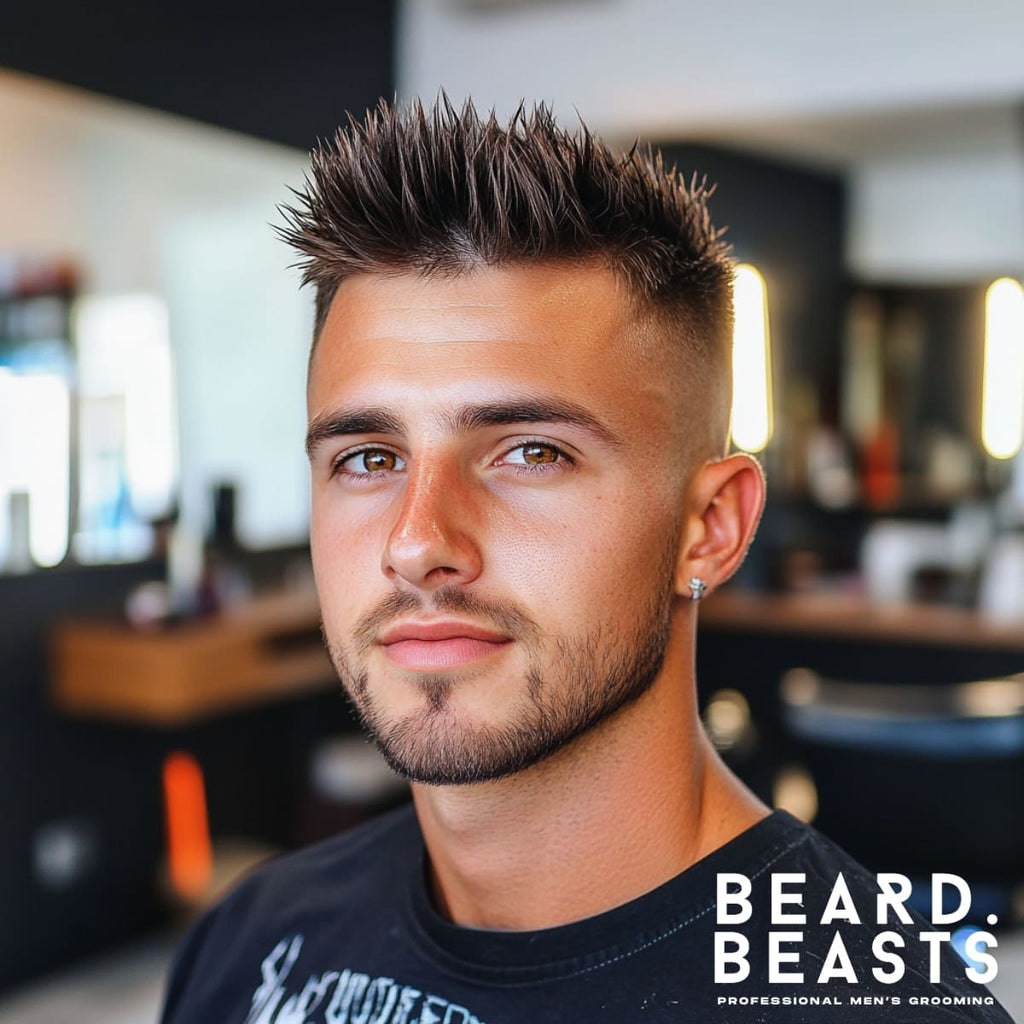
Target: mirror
x: 152, y: 340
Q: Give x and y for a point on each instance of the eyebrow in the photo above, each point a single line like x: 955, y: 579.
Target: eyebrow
x: 355, y: 421
x: 464, y: 419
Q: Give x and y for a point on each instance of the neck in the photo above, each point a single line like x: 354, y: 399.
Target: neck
x: 617, y: 813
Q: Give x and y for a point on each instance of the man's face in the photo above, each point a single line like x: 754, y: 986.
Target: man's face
x: 497, y: 491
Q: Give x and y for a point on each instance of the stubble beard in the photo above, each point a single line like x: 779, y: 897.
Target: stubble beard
x: 590, y: 678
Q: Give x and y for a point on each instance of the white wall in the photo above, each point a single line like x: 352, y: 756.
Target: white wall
x: 855, y: 86
x: 148, y: 202
x: 241, y: 343
x: 650, y: 65
x: 949, y: 218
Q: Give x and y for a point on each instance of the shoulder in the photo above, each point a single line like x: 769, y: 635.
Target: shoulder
x: 815, y: 849
x: 333, y: 872
x: 801, y: 877
x: 330, y: 885
x: 365, y: 850
x: 799, y: 847
x: 778, y: 843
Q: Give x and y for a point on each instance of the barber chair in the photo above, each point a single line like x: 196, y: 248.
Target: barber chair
x: 916, y: 779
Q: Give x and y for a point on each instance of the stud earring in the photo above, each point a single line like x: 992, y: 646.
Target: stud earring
x: 698, y: 588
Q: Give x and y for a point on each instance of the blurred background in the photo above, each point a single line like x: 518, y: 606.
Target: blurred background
x: 167, y: 716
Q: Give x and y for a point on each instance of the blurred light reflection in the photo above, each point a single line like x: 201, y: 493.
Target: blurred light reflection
x: 751, y: 420
x: 35, y: 461
x: 1002, y: 401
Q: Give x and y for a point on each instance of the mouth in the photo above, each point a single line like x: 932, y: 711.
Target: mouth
x: 434, y: 646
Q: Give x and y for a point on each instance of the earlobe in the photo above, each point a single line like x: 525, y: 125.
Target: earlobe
x: 726, y: 499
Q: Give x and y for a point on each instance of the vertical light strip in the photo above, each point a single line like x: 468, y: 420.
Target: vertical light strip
x: 127, y: 450
x: 750, y: 423
x: 1002, y: 389
x: 35, y: 458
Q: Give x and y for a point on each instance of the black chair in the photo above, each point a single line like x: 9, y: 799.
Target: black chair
x: 916, y: 779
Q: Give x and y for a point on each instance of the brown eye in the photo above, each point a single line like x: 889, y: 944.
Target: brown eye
x: 377, y: 461
x: 538, y: 454
x: 372, y: 460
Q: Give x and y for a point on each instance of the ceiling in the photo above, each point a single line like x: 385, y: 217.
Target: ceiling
x: 286, y: 76
x: 830, y: 84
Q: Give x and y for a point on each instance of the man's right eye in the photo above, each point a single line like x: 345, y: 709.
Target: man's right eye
x: 368, y: 462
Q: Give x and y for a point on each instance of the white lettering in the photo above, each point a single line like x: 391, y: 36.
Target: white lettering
x: 939, y: 916
x: 878, y: 947
x: 269, y: 994
x: 776, y: 957
x: 840, y: 906
x: 727, y: 896
x: 837, y: 963
x: 976, y: 945
x: 781, y: 898
x: 934, y: 940
x: 737, y: 955
x: 894, y: 891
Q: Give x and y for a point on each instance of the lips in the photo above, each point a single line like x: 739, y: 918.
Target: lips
x: 433, y: 646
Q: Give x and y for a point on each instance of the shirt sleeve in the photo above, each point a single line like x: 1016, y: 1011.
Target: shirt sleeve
x: 184, y: 967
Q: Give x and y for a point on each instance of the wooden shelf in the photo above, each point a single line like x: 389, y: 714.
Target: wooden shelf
x: 270, y: 649
x: 840, y: 615
x: 267, y: 649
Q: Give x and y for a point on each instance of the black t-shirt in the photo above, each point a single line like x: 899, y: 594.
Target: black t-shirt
x: 343, y: 932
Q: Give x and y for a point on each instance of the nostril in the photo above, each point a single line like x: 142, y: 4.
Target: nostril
x: 443, y: 570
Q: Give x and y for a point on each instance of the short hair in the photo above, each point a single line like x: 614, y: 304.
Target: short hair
x: 443, y: 191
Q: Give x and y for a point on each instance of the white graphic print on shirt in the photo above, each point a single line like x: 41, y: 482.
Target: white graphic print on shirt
x: 343, y: 997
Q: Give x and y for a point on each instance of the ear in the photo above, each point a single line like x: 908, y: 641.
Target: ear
x: 725, y: 500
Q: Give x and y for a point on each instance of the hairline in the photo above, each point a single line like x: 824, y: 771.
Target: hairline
x: 641, y: 307
x: 674, y: 322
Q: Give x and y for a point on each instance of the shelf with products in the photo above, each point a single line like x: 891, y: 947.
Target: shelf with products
x: 892, y: 420
x: 264, y: 649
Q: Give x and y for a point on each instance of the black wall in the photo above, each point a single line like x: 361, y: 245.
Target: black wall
x: 790, y: 223
x: 284, y: 73
x: 101, y: 782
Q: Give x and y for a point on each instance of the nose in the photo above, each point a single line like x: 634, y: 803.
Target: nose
x: 433, y: 541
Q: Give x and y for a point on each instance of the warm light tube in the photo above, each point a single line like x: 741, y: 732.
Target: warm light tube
x: 750, y: 424
x: 1002, y: 390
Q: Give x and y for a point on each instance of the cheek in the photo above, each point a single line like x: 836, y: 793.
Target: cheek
x: 346, y: 561
x: 598, y: 559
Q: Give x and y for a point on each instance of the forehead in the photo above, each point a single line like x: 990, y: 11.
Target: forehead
x: 571, y: 331
x: 503, y: 299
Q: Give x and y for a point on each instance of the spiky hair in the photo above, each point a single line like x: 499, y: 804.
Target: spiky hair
x: 442, y: 191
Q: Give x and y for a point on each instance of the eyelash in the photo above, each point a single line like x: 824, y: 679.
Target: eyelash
x: 562, y: 457
x: 337, y: 466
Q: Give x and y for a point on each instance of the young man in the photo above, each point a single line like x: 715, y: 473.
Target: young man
x: 518, y: 403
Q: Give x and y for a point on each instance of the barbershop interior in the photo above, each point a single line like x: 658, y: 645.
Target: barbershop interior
x: 168, y: 715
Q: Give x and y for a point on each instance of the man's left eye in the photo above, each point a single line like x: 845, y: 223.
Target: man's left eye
x: 370, y: 461
x: 534, y: 454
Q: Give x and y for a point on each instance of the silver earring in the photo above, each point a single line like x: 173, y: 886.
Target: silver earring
x: 698, y: 588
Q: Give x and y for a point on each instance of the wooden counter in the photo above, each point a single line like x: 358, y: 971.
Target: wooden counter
x: 271, y: 648
x: 851, y: 617
x: 266, y: 649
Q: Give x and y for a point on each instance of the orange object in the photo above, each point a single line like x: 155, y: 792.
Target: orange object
x: 881, y: 475
x: 189, y: 853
